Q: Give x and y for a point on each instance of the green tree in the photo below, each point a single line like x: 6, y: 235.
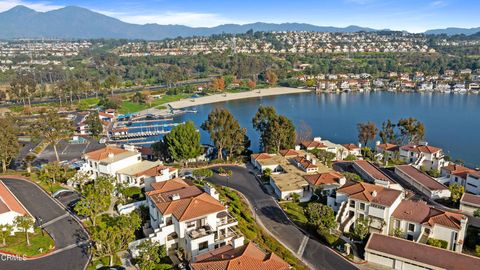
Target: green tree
x: 151, y: 255
x: 352, y: 177
x: 225, y: 132
x: 183, y: 142
x: 476, y: 213
x: 96, y: 198
x: 112, y: 82
x: 366, y: 132
x: 411, y: 130
x: 51, y: 173
x: 202, y: 173
x: 160, y: 151
x: 114, y: 235
x: 320, y: 216
x: 271, y: 77
x: 456, y: 192
x: 361, y: 228
x: 9, y: 146
x: 387, y: 134
x: 24, y: 223
x: 94, y: 124
x: 53, y: 128
x: 324, y: 156
x: 5, y: 231
x: 276, y: 132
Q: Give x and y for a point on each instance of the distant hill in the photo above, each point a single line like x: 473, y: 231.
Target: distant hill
x: 76, y: 22
x: 453, y: 31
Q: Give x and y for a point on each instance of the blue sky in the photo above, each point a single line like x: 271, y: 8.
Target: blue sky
x: 411, y: 15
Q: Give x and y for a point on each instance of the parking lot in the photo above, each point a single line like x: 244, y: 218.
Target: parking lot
x: 69, y: 151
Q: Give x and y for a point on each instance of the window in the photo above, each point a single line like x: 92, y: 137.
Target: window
x: 397, y: 224
x: 191, y: 224
x: 411, y: 227
x: 362, y: 206
x: 352, y: 204
x: 203, y: 245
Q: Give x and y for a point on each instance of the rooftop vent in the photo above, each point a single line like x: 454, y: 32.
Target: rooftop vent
x: 374, y: 193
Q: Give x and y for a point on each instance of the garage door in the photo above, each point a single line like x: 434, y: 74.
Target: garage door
x: 382, y: 260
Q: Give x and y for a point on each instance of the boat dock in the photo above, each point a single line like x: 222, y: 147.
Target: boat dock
x: 136, y: 135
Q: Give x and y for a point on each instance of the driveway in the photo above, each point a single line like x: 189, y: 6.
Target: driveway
x: 69, y: 236
x: 272, y: 216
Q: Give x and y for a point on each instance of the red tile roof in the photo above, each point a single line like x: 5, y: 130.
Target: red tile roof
x: 421, y: 148
x: 103, y: 153
x: 351, y: 146
x: 312, y: 144
x: 421, y: 178
x: 248, y: 257
x: 470, y: 199
x: 373, y: 171
x: 105, y: 114
x: 366, y: 192
x: 421, y: 253
x: 327, y: 178
x: 420, y: 212
x: 458, y: 170
x: 192, y: 202
x: 288, y: 153
x: 388, y: 146
x: 305, y: 162
x: 261, y: 156
x: 8, y: 201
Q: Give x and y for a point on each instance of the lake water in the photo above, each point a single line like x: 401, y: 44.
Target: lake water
x: 451, y: 121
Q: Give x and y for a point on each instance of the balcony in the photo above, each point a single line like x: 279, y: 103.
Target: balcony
x: 224, y: 219
x: 229, y: 233
x: 200, y: 232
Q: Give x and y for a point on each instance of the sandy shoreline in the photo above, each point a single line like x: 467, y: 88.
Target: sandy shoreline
x: 184, y: 103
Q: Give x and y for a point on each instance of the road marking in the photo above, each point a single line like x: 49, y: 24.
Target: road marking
x: 54, y: 220
x: 65, y: 149
x: 302, y: 246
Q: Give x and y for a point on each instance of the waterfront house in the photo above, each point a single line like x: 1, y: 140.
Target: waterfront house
x: 374, y: 175
x: 352, y: 149
x: 245, y: 257
x: 469, y: 203
x: 419, y: 222
x: 424, y: 183
x: 401, y: 254
x: 387, y: 151
x: 423, y: 155
x: 108, y: 160
x: 142, y: 174
x: 363, y: 200
x: 325, y: 182
x: 10, y: 208
x: 316, y: 143
x: 186, y: 217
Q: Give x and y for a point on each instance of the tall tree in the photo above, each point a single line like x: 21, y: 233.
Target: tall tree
x: 366, y: 132
x: 225, y: 131
x: 9, y: 146
x: 304, y: 132
x: 112, y: 82
x: 96, y: 198
x: 362, y: 227
x: 411, y: 130
x: 183, y: 142
x: 160, y: 150
x: 387, y: 134
x: 320, y: 216
x: 456, y: 192
x: 24, y: 223
x: 53, y: 128
x: 276, y: 132
x: 271, y: 77
x: 51, y: 173
x: 94, y: 124
x: 151, y: 255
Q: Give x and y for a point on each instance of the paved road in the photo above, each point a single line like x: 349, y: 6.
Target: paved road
x: 69, y: 235
x: 272, y: 216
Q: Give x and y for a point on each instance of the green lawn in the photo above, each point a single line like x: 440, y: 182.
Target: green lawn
x: 17, y: 243
x: 131, y: 107
x: 295, y: 212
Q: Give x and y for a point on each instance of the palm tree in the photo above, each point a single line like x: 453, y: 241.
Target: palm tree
x: 24, y: 223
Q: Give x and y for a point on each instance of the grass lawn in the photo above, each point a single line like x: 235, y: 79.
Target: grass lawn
x: 131, y: 107
x: 105, y: 261
x: 295, y: 212
x: 89, y: 102
x: 17, y: 243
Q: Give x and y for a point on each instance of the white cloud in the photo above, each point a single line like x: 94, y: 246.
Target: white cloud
x: 183, y: 18
x: 437, y: 4
x: 360, y: 2
x: 38, y: 6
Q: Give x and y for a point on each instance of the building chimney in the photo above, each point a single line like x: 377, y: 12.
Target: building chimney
x: 314, y: 161
x: 374, y: 193
x: 110, y: 155
x: 297, y: 147
x: 307, y: 157
x: 377, y: 143
x: 211, y: 191
x: 175, y: 197
x: 317, y: 139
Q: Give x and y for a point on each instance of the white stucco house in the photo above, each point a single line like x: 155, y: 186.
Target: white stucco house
x: 424, y: 183
x: 417, y: 221
x: 423, y: 155
x: 184, y: 216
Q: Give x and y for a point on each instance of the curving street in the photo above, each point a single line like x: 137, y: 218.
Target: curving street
x: 69, y: 236
x: 313, y: 253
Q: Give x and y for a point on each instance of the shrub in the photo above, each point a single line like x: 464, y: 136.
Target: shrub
x: 131, y: 192
x: 327, y: 237
x: 437, y: 243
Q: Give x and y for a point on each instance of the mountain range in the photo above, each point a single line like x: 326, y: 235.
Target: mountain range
x: 76, y: 23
